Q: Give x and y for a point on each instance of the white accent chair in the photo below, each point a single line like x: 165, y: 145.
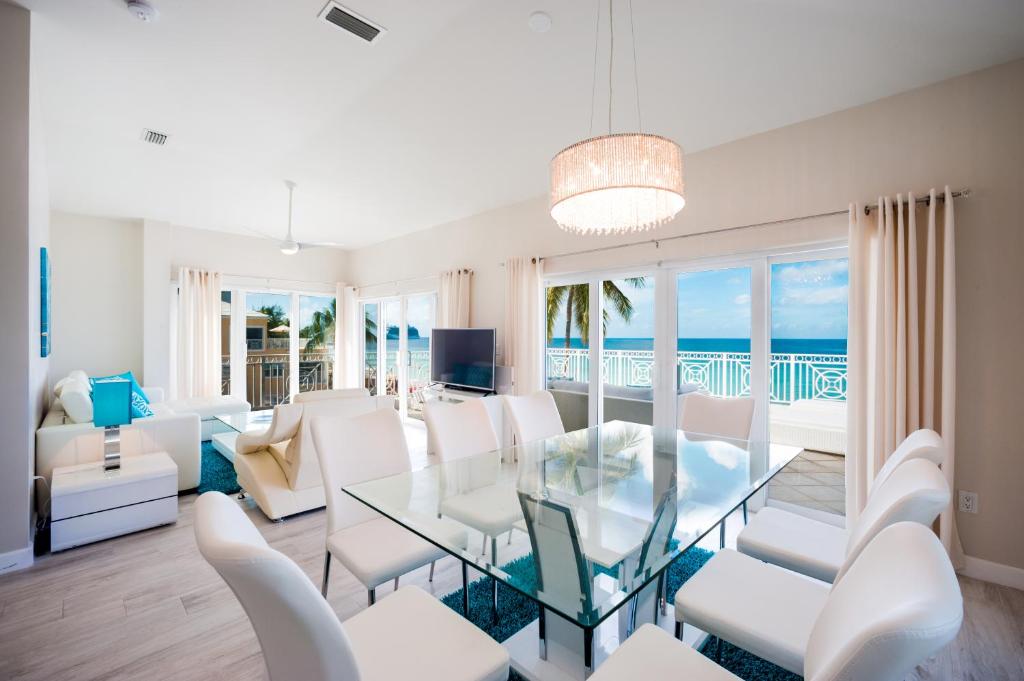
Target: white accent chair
x: 373, y: 548
x: 916, y: 491
x: 471, y: 496
x: 409, y: 635
x: 533, y: 417
x: 279, y: 467
x: 898, y: 603
x: 727, y: 417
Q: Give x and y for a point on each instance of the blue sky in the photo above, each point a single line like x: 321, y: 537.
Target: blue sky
x: 808, y: 301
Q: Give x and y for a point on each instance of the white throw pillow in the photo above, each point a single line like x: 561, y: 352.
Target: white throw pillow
x: 77, y: 401
x: 79, y: 375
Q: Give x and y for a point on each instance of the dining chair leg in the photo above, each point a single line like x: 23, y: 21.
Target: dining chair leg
x: 396, y: 583
x: 494, y: 598
x: 718, y: 650
x: 543, y: 652
x: 721, y: 534
x: 679, y: 631
x: 483, y: 547
x: 494, y: 551
x: 631, y: 627
x: 371, y: 596
x: 510, y: 538
x: 431, y: 577
x: 588, y: 652
x: 465, y: 590
x: 327, y: 571
x: 744, y: 512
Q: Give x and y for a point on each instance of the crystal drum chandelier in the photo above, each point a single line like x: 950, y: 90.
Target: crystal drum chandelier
x: 619, y: 182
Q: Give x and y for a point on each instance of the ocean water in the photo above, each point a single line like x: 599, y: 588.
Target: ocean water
x: 821, y: 346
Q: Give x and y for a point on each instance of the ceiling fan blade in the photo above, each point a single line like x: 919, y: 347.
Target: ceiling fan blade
x: 320, y: 244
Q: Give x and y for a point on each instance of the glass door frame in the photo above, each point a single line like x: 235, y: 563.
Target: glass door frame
x: 238, y: 351
x: 665, y: 276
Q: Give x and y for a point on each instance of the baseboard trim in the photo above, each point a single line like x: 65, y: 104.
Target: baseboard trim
x: 997, y: 573
x: 12, y: 561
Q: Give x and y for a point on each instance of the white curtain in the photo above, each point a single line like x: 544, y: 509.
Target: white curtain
x: 198, y: 333
x: 524, y: 341
x: 902, y: 340
x: 453, y: 299
x: 346, y: 338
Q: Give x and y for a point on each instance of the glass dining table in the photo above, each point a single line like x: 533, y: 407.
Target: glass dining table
x: 601, y: 514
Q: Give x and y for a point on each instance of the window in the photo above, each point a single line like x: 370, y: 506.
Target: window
x: 317, y: 316
x: 254, y: 337
x: 567, y: 361
x: 627, y: 351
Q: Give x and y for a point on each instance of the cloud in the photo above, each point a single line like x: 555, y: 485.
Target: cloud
x: 825, y: 295
x: 812, y: 273
x: 742, y: 299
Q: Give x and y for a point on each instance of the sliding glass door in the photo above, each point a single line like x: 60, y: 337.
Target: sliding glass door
x: 396, y: 349
x: 627, y: 349
x: 567, y: 352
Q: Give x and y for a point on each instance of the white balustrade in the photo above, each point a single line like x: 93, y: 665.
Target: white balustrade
x: 725, y: 374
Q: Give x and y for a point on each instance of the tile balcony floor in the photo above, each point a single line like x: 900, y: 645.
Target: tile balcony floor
x: 813, y: 480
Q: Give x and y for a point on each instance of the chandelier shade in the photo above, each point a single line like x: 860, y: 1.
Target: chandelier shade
x: 624, y: 182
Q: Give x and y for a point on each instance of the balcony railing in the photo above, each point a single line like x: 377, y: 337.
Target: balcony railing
x: 268, y: 377
x: 725, y: 374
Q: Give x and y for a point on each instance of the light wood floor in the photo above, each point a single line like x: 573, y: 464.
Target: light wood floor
x: 148, y: 607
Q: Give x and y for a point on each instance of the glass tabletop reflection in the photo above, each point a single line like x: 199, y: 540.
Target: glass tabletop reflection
x: 598, y: 513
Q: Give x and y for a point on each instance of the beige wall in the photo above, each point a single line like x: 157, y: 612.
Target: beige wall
x: 23, y: 230
x: 97, y: 295
x: 968, y: 131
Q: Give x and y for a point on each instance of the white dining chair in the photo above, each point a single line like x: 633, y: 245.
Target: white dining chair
x: 916, y: 491
x: 921, y: 444
x: 373, y: 548
x: 462, y: 430
x: 726, y: 417
x: 301, y: 637
x: 898, y: 603
x: 533, y: 417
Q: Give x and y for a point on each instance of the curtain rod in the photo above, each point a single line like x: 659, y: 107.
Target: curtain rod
x: 460, y: 270
x: 958, y: 194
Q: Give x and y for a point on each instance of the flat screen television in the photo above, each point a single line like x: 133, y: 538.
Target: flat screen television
x: 463, y: 358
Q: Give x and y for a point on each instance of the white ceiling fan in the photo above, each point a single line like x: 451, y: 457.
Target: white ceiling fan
x: 289, y: 246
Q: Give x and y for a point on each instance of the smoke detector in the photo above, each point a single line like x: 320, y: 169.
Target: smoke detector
x: 142, y: 10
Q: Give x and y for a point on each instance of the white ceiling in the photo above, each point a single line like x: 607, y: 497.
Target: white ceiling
x: 459, y: 106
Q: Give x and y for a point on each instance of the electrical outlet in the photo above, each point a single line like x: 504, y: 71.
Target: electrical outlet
x: 968, y: 502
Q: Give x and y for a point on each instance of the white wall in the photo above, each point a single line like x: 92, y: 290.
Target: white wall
x: 24, y: 229
x: 97, y: 295
x: 106, y: 265
x: 967, y: 131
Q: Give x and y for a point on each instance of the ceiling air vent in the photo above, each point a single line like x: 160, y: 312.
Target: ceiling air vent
x: 154, y: 137
x: 359, y: 26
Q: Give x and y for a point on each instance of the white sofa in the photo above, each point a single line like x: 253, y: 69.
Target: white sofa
x: 61, y: 442
x: 279, y: 468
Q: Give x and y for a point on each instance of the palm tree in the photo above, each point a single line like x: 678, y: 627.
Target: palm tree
x: 576, y: 299
x: 321, y: 326
x: 275, y: 316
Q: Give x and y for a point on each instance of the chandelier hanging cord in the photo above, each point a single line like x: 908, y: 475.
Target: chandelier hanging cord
x: 611, y: 58
x: 636, y: 77
x: 593, y: 83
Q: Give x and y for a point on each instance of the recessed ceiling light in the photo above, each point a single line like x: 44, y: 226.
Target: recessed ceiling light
x: 540, y: 22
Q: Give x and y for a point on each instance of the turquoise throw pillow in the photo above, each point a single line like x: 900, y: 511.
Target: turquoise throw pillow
x: 140, y: 403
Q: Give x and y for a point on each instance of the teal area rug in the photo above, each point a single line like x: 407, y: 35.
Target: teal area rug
x: 515, y: 611
x: 218, y: 474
